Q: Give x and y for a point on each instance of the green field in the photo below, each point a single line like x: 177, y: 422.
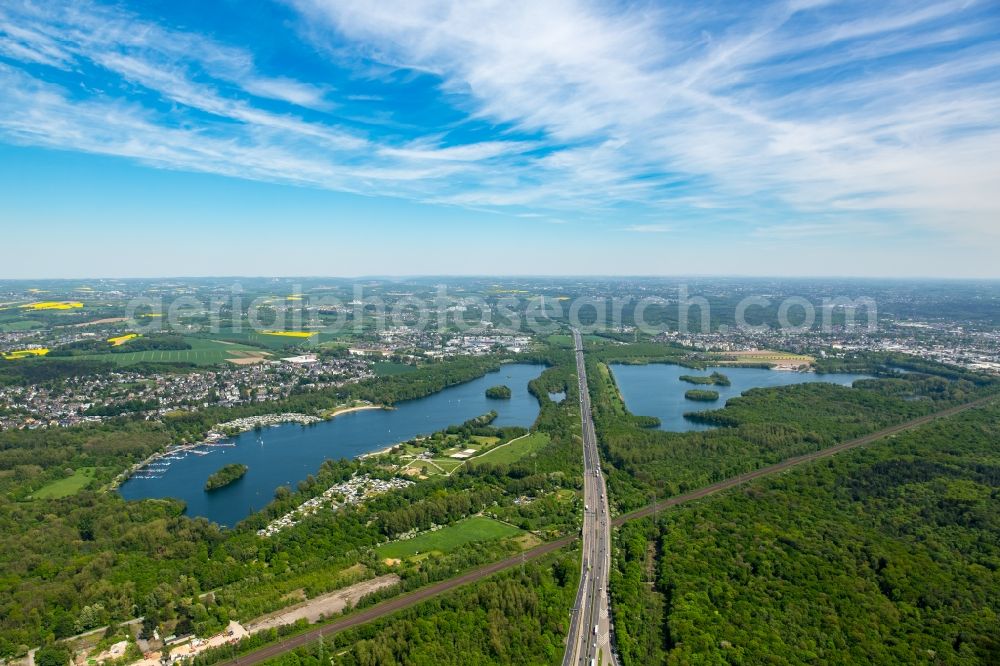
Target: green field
x: 449, y: 465
x: 388, y: 368
x: 202, y: 352
x: 561, y: 340
x: 65, y: 487
x: 426, y: 468
x: 449, y: 538
x: 265, y: 341
x: 19, y: 325
x: 516, y: 450
x: 564, y: 340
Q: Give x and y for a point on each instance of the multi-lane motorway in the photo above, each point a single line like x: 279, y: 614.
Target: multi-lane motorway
x: 590, y: 628
x: 592, y: 596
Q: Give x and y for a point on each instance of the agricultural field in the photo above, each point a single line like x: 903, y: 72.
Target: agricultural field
x: 515, y: 449
x: 301, y: 335
x: 68, y: 486
x: 447, y: 539
x: 17, y: 325
x: 267, y: 341
x: 25, y: 353
x: 53, y: 305
x: 202, y: 352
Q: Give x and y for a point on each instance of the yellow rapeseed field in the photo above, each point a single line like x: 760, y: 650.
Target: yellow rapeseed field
x: 122, y: 339
x: 290, y: 334
x: 53, y: 305
x: 23, y: 353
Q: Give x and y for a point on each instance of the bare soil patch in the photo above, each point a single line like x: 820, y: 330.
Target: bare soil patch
x: 248, y: 357
x: 109, y: 320
x: 323, y: 605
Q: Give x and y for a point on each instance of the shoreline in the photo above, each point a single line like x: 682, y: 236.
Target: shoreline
x: 172, y: 449
x: 348, y: 410
x: 380, y: 452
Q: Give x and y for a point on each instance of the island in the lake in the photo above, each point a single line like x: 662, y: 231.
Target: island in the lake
x: 701, y: 395
x: 225, y: 475
x: 714, y: 379
x: 500, y: 392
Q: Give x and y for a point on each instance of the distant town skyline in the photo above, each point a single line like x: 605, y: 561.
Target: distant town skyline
x: 319, y: 138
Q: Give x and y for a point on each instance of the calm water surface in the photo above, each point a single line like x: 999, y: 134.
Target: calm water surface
x: 657, y: 390
x: 285, y: 454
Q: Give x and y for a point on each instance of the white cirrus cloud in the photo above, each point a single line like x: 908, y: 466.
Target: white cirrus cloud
x: 803, y: 113
x: 818, y: 106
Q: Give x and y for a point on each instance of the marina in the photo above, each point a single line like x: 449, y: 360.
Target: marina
x: 295, y: 450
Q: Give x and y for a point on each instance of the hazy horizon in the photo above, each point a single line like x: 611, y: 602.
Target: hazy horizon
x: 501, y: 276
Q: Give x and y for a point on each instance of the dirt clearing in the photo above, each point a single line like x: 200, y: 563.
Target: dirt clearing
x: 323, y: 605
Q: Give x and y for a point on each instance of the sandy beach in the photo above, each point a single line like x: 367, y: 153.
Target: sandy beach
x: 346, y: 410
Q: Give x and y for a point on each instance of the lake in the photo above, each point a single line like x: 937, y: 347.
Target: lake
x: 286, y: 454
x: 657, y: 390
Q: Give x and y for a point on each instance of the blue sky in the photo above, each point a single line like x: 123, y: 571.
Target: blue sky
x: 322, y: 137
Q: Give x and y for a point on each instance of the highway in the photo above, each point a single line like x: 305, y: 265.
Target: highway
x: 410, y: 599
x: 589, y: 639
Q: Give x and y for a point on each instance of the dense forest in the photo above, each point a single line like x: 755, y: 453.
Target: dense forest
x: 44, y: 371
x: 714, y: 379
x: 517, y: 617
x: 225, y: 475
x: 73, y: 564
x: 78, y: 563
x: 761, y: 427
x: 498, y: 392
x: 885, y: 554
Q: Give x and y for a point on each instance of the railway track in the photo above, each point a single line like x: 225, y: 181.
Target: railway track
x: 407, y: 600
x: 740, y: 479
